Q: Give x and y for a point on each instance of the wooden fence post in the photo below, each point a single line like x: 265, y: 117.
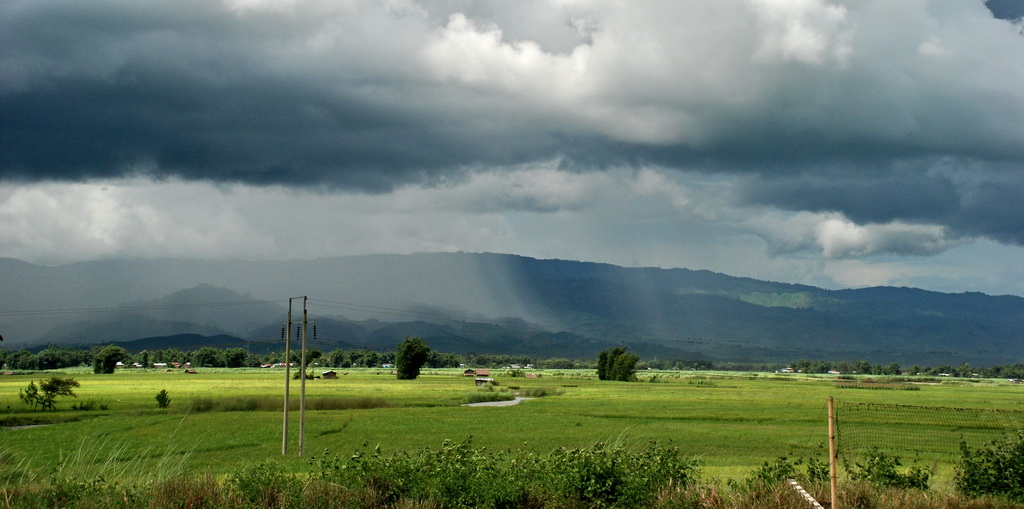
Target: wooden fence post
x: 832, y: 454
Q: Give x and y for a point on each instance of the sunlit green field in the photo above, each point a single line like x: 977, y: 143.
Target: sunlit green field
x: 732, y: 422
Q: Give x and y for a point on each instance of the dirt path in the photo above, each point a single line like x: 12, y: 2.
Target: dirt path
x: 499, y: 403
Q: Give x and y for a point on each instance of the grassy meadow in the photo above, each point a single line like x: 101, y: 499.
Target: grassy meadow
x: 220, y: 420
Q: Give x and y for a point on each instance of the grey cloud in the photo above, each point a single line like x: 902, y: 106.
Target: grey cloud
x: 341, y: 95
x: 986, y: 203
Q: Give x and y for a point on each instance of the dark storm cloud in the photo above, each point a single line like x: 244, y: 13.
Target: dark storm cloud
x: 99, y: 89
x: 980, y: 204
x: 373, y: 94
x: 1006, y: 9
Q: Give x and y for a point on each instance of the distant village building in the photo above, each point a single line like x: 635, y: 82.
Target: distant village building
x: 329, y: 375
x: 485, y: 381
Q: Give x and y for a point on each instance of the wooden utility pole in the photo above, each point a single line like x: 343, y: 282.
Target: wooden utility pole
x: 287, y: 377
x: 832, y: 454
x: 302, y: 386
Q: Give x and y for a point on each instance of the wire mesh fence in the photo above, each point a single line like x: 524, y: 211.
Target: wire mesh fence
x: 919, y: 430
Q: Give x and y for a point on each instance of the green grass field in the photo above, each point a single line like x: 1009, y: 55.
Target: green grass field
x: 731, y: 422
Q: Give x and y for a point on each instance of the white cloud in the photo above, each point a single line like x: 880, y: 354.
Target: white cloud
x: 840, y: 238
x: 69, y: 222
x: 807, y: 31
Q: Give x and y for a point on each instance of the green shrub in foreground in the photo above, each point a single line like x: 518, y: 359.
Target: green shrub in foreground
x: 782, y: 468
x: 996, y: 469
x: 459, y: 475
x: 880, y: 470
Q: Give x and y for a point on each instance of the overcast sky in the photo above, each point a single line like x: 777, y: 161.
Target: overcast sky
x: 839, y: 144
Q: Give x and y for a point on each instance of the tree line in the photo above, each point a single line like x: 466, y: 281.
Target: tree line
x: 964, y: 370
x: 56, y: 357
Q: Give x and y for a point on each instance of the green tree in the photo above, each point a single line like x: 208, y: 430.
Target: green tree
x: 208, y: 357
x: 602, y: 365
x: 338, y: 358
x: 617, y: 364
x: 624, y: 367
x: 46, y: 393
x: 234, y: 357
x: 22, y: 359
x: 411, y: 356
x: 52, y: 358
x: 559, y: 364
x: 106, y: 359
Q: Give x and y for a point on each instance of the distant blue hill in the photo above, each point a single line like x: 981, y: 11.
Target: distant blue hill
x: 501, y: 304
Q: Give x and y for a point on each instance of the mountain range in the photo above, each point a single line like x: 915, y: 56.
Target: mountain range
x: 496, y: 303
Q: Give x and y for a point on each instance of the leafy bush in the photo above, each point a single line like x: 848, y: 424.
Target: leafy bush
x: 996, y: 469
x: 880, y: 470
x: 162, y: 399
x: 776, y: 472
x: 264, y: 485
x: 459, y: 475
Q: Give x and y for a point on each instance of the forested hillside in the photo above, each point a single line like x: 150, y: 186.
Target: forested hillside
x: 494, y: 303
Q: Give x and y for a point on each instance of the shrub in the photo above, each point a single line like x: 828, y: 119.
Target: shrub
x: 459, y: 475
x: 880, y: 470
x: 264, y: 485
x: 776, y: 472
x: 162, y: 399
x: 996, y: 469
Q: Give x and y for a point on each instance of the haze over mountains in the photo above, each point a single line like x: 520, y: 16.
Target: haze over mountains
x: 494, y: 303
